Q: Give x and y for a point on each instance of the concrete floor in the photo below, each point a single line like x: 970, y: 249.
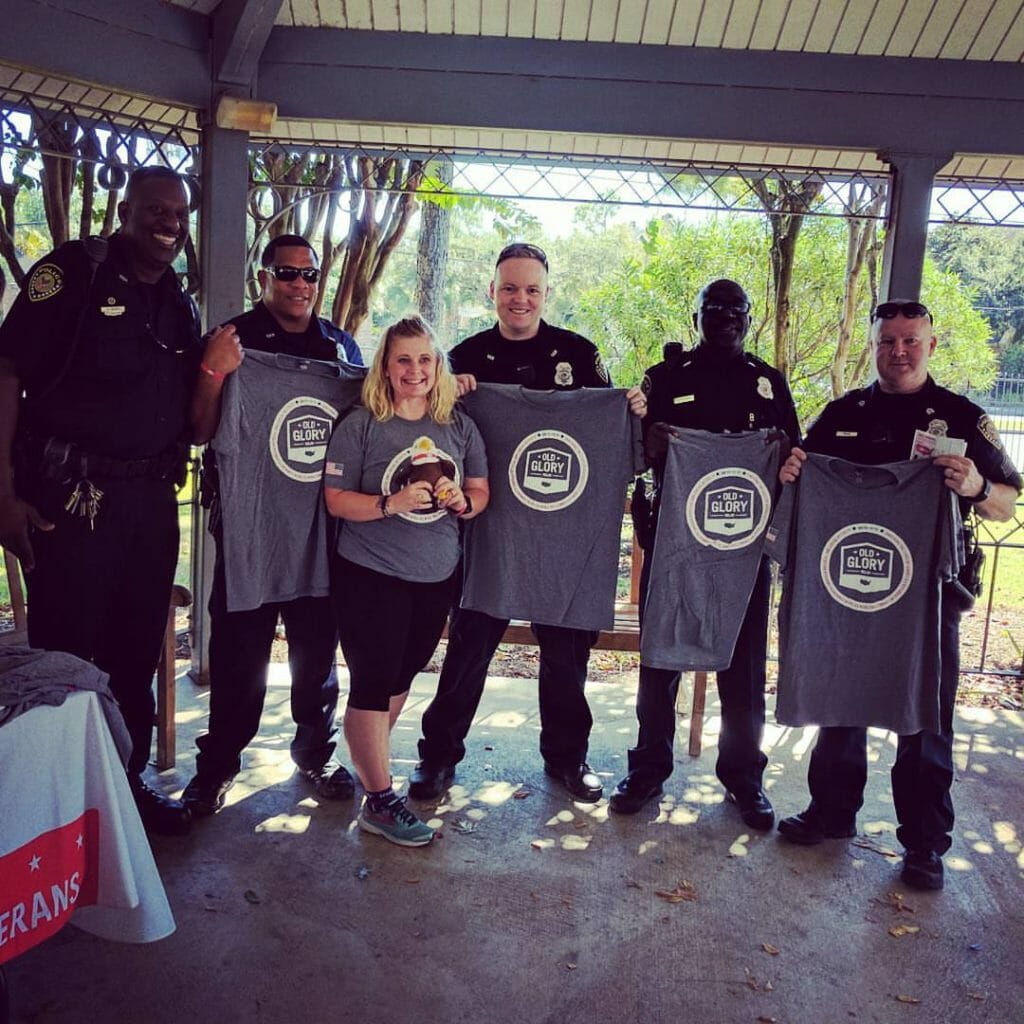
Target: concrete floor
x: 530, y: 908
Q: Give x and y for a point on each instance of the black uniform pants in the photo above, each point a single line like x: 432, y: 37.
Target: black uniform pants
x: 240, y: 647
x: 922, y: 773
x: 101, y: 592
x: 740, y: 764
x: 565, y: 718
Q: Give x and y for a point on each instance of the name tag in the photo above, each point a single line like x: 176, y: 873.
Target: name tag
x: 112, y: 310
x: 683, y: 399
x: 846, y: 433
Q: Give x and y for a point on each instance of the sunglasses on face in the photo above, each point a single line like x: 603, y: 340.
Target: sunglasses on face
x: 911, y: 310
x: 308, y: 274
x: 740, y: 308
x: 522, y: 250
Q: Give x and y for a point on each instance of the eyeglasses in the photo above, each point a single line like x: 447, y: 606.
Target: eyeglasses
x: 911, y: 310
x: 308, y: 274
x: 522, y: 250
x: 743, y: 308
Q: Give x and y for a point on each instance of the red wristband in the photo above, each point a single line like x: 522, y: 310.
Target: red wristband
x: 215, y: 374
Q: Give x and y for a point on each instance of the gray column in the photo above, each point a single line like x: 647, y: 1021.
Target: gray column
x: 222, y: 262
x: 910, y: 194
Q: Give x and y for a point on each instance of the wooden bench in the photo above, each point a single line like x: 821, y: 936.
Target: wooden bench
x: 165, y: 680
x: 625, y: 636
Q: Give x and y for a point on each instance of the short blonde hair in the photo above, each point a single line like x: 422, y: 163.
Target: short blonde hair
x: 377, y: 396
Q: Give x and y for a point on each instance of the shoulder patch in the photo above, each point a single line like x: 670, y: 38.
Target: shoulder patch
x: 602, y: 370
x: 987, y: 429
x: 45, y: 282
x: 645, y: 384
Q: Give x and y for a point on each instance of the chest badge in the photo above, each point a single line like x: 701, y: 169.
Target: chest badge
x: 111, y: 307
x: 563, y: 375
x: 764, y: 388
x: 46, y: 281
x: 938, y: 428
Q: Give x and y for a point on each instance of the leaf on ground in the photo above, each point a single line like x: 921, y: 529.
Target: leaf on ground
x: 684, y: 892
x: 898, y: 903
x: 912, y: 1000
x: 766, y: 1020
x: 521, y: 794
x: 770, y: 949
x: 464, y: 827
x: 978, y: 996
x: 571, y: 967
x: 867, y: 844
x: 362, y: 872
x: 897, y: 931
x: 251, y: 897
x: 412, y: 881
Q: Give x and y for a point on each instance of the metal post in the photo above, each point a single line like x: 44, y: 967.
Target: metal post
x: 225, y: 179
x: 907, y: 221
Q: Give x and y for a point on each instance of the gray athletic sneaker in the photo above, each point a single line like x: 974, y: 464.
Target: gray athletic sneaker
x: 396, y: 823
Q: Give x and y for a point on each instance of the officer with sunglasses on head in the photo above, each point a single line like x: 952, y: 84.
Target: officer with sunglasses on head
x: 282, y: 322
x: 98, y: 360
x: 875, y: 425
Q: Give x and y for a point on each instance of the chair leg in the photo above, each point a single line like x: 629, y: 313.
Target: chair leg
x: 700, y: 686
x: 166, y: 750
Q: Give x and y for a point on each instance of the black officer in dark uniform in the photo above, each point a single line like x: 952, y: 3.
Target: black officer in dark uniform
x: 241, y: 641
x: 720, y: 388
x: 105, y: 346
x: 519, y: 349
x: 875, y: 425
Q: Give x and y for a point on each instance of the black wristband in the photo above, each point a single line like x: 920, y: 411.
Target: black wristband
x: 383, y: 506
x: 983, y: 494
x: 467, y: 509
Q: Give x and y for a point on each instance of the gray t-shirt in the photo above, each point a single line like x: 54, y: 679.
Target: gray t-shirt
x: 864, y: 551
x: 716, y: 500
x: 371, y: 457
x: 548, y: 548
x: 277, y: 413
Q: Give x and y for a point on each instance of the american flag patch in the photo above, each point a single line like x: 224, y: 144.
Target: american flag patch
x: 335, y: 469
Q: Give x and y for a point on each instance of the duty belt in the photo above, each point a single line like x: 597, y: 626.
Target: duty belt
x: 64, y: 461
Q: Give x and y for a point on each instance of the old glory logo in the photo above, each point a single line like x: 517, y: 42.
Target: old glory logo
x: 866, y: 567
x: 44, y: 881
x: 728, y: 508
x: 299, y: 436
x: 548, y: 470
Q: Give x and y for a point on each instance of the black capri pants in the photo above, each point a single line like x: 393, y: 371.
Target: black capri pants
x: 388, y: 628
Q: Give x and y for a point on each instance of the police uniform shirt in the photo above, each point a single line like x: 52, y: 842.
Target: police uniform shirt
x: 277, y: 415
x: 554, y: 359
x: 257, y: 329
x: 704, y: 389
x: 715, y: 504
x: 547, y: 548
x: 869, y: 426
x: 127, y: 381
x: 865, y: 550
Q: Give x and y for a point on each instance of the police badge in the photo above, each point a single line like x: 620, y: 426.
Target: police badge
x: 764, y: 388
x: 938, y: 428
x: 45, y: 281
x: 563, y: 375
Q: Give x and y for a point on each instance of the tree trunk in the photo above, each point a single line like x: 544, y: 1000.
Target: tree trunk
x: 432, y: 250
x: 57, y: 142
x: 786, y: 204
x: 861, y: 234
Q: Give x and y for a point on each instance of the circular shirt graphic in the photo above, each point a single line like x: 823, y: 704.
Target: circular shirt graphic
x: 422, y: 460
x: 728, y: 509
x: 299, y: 436
x: 866, y: 568
x: 548, y: 470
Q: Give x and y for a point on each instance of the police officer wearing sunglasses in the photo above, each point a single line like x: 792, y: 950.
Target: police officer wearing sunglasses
x: 282, y: 321
x: 717, y: 387
x: 98, y: 360
x: 875, y: 425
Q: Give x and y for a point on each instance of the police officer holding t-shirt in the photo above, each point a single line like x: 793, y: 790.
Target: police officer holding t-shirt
x: 871, y: 426
x: 720, y: 388
x: 520, y: 348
